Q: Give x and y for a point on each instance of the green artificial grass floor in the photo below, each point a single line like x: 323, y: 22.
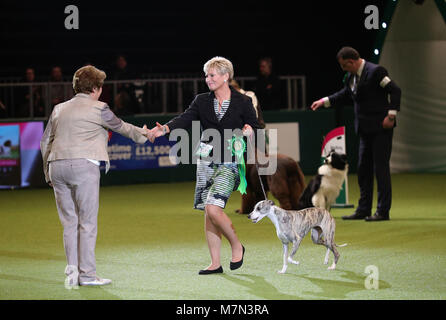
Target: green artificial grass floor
x: 151, y: 244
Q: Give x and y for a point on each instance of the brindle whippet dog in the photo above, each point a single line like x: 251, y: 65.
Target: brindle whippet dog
x: 292, y: 226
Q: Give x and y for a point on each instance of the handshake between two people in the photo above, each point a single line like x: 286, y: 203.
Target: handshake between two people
x: 157, y: 131
x: 160, y: 130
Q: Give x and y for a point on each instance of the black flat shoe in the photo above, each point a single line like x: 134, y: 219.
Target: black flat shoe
x: 238, y: 264
x: 218, y: 270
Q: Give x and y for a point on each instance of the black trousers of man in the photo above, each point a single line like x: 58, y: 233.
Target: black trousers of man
x: 374, y: 157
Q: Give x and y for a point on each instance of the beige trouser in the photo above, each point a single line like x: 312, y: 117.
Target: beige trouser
x: 76, y: 189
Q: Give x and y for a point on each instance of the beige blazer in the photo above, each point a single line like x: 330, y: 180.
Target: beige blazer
x: 77, y: 129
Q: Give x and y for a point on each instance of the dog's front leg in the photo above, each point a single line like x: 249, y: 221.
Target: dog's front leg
x: 285, y: 258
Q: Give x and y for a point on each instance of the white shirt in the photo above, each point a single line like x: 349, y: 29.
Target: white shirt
x: 96, y: 162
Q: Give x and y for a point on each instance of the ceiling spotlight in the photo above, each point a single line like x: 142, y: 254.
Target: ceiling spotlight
x: 376, y: 52
x: 384, y: 25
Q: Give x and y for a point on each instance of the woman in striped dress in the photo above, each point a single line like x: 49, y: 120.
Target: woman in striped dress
x: 220, y: 109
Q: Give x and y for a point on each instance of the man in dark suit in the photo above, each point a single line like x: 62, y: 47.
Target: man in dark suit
x: 376, y: 99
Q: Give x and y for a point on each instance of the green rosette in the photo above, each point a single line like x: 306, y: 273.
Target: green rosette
x: 238, y: 146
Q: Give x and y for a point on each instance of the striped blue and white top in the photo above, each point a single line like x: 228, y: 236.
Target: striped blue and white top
x: 224, y: 107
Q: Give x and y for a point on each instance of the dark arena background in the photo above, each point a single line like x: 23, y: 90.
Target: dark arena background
x: 151, y: 241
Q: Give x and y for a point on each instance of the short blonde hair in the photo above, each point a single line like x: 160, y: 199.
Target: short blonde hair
x: 87, y: 78
x: 221, y: 65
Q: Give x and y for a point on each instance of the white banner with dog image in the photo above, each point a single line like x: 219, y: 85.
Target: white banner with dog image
x: 335, y: 141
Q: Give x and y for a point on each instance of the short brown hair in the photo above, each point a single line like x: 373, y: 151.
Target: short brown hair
x: 348, y: 53
x: 87, y: 78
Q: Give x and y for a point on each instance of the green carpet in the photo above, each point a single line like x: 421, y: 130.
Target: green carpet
x: 151, y: 244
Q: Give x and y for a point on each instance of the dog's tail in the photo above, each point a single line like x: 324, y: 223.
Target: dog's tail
x: 341, y: 245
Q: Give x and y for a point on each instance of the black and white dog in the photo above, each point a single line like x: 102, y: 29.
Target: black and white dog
x: 324, y: 188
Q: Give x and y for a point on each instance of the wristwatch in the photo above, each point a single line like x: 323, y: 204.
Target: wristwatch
x: 164, y: 130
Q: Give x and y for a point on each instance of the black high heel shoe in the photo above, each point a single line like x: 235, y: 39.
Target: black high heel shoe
x: 238, y: 264
x: 218, y: 270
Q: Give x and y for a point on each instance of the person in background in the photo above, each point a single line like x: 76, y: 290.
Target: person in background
x: 73, y: 144
x: 255, y: 101
x: 125, y: 102
x: 57, y: 90
x: 24, y: 97
x: 267, y: 86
